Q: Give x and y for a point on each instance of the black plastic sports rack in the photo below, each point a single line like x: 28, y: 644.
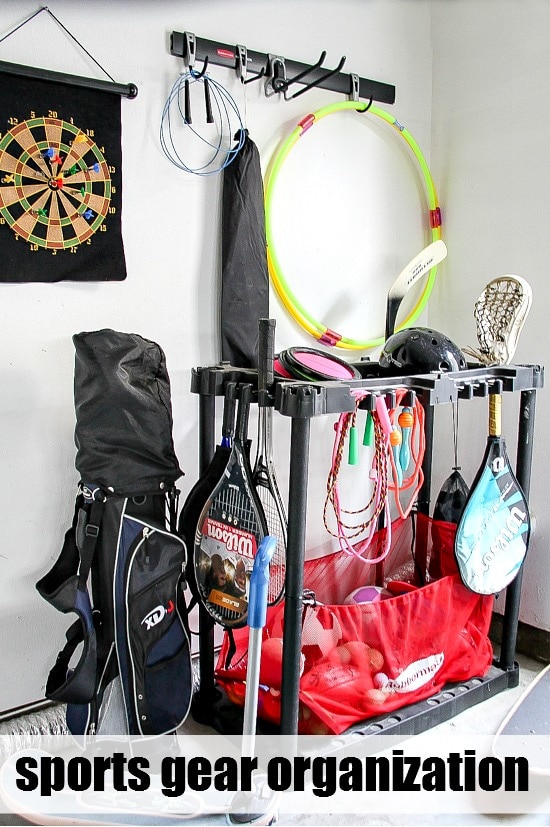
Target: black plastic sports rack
x: 302, y: 401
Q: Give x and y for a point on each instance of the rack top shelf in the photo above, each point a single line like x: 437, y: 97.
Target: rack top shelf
x: 304, y: 399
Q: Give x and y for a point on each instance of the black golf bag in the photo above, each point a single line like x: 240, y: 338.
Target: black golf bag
x: 126, y: 665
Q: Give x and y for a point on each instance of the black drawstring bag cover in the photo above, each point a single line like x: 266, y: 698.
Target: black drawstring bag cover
x: 123, y: 430
x: 244, y: 279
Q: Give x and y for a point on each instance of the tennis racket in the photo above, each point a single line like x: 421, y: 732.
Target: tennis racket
x: 202, y: 489
x: 229, y: 530
x: 263, y: 477
x: 493, y: 533
x: 422, y: 263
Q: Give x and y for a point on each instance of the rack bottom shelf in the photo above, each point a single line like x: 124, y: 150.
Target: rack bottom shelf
x: 227, y: 718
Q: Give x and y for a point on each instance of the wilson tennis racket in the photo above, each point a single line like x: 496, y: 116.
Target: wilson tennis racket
x: 492, y: 537
x: 229, y: 531
x: 263, y: 477
x: 202, y: 489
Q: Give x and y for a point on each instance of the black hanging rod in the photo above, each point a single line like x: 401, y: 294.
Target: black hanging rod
x: 126, y: 90
x: 251, y: 65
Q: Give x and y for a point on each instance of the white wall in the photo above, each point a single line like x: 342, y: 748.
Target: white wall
x: 490, y: 156
x: 171, y: 235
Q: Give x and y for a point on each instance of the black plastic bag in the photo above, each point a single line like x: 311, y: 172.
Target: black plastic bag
x: 244, y: 280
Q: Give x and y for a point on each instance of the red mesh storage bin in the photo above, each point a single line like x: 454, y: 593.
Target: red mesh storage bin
x: 363, y: 660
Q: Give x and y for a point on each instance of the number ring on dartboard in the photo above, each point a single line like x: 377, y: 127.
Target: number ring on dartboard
x: 55, y: 184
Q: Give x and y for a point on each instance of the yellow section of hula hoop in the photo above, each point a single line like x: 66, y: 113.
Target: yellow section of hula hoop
x: 289, y: 300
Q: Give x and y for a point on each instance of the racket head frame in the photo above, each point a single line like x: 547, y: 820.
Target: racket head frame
x: 229, y: 531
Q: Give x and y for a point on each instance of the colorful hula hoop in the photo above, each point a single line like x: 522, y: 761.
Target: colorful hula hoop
x: 287, y: 296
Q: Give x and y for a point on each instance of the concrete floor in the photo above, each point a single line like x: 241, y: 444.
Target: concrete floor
x: 482, y: 719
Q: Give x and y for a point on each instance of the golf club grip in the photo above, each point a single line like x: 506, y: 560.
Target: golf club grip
x: 266, y: 352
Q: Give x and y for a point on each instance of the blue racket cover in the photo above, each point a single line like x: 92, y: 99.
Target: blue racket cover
x: 493, y: 533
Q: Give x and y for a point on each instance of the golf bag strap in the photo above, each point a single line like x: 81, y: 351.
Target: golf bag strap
x: 65, y: 587
x: 88, y: 534
x: 74, y: 685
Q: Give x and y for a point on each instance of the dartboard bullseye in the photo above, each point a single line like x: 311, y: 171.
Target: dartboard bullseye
x: 55, y: 184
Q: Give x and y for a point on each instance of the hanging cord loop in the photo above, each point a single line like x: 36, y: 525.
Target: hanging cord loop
x: 356, y: 529
x: 221, y: 110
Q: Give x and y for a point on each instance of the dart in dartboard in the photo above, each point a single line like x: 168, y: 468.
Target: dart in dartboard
x: 55, y: 183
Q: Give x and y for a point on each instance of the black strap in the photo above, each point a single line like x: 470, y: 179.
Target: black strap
x: 91, y: 533
x: 74, y: 684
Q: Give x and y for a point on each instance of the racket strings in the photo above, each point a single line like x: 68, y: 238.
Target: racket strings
x: 277, y: 565
x: 268, y: 493
x: 231, y: 507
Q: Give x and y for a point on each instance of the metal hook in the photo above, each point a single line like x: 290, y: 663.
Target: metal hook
x: 282, y: 84
x: 257, y: 76
x: 319, y: 80
x: 198, y: 75
x: 276, y: 71
x: 242, y: 67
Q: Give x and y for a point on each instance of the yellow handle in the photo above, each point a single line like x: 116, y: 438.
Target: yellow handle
x: 495, y: 414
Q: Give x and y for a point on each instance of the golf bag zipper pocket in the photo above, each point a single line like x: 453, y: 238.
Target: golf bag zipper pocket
x: 157, y: 645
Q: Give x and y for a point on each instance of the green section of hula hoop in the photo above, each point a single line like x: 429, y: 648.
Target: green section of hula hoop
x: 285, y: 292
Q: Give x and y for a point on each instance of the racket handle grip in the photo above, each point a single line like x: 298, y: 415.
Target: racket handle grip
x: 259, y: 583
x: 495, y: 414
x: 243, y: 411
x: 266, y: 352
x: 230, y: 403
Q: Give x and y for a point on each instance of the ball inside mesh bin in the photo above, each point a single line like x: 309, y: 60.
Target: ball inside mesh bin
x: 367, y: 594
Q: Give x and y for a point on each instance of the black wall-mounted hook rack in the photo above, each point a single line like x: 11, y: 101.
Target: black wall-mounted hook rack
x: 260, y: 64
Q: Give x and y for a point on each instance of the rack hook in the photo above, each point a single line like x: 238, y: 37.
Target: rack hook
x: 277, y: 72
x: 242, y: 67
x: 282, y: 84
x: 189, y: 48
x: 198, y: 75
x: 320, y: 80
x: 258, y: 76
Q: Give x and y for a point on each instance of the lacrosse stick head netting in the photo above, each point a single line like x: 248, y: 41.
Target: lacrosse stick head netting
x: 500, y: 313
